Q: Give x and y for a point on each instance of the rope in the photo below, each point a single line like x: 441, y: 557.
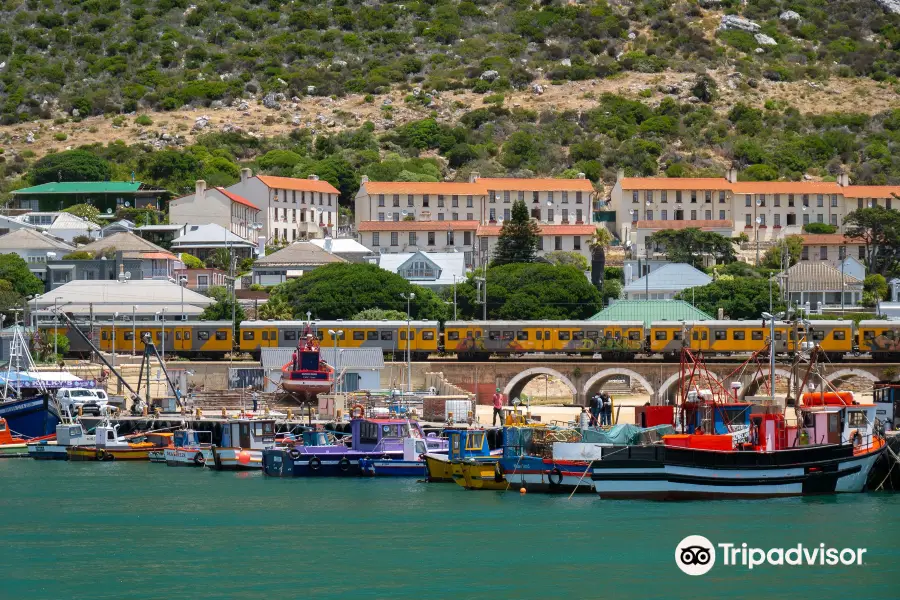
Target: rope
x: 895, y: 463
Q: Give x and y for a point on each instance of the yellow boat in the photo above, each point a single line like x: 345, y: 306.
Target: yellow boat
x: 463, y: 444
x: 478, y: 474
x: 111, y: 447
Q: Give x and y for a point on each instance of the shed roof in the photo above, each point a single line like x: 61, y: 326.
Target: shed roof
x: 346, y: 358
x: 131, y: 246
x: 29, y: 239
x: 818, y: 276
x: 649, y: 311
x: 299, y: 253
x: 675, y: 276
x: 109, y: 296
x: 82, y: 187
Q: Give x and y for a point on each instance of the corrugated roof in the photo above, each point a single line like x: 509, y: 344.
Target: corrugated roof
x: 675, y: 183
x: 82, y: 187
x: 424, y: 187
x: 649, y: 311
x: 81, y: 293
x: 29, y: 239
x: 418, y: 225
x: 698, y: 224
x: 295, y: 183
x: 675, y: 276
x: 236, y: 198
x: 494, y: 230
x: 545, y: 184
x: 299, y: 253
x: 131, y: 245
x: 349, y: 358
x: 818, y: 276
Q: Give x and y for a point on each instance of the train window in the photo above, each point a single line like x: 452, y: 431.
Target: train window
x: 703, y: 335
x: 593, y: 335
x: 387, y: 335
x: 739, y: 335
x: 721, y: 335
x: 696, y: 335
x: 540, y: 335
x: 469, y: 335
x: 249, y: 335
x: 159, y: 335
x: 840, y: 334
x: 129, y: 335
x: 222, y: 335
x: 522, y: 336
x: 818, y: 334
x: 493, y: 335
x: 676, y: 335
x: 562, y: 335
x: 290, y: 335
x: 371, y: 335
x: 402, y: 334
x: 320, y: 335
x: 452, y: 335
x: 577, y: 335
x: 427, y: 335
x: 104, y: 335
x: 478, y: 333
x: 359, y: 335
x: 869, y: 335
x: 178, y: 335
x: 202, y: 335
x: 546, y: 335
x: 756, y: 335
x: 187, y: 334
x: 265, y: 335
x: 634, y: 336
x: 778, y: 336
x: 618, y: 335
x: 412, y: 334
x: 662, y: 335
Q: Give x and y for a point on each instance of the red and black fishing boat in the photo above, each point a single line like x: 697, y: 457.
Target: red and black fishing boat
x: 307, y: 375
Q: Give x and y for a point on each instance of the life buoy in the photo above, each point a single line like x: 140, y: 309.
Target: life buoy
x: 314, y: 464
x: 294, y: 453
x: 108, y: 456
x: 856, y: 438
x: 344, y: 465
x: 100, y: 454
x: 199, y: 459
x: 557, y: 474
x: 361, y: 414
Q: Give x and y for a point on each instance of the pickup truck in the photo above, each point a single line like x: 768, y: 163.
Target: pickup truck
x: 90, y: 401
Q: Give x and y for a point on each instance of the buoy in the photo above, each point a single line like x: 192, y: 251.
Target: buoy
x: 243, y: 457
x: 521, y: 490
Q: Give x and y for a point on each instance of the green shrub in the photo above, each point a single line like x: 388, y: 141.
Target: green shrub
x: 143, y: 120
x: 819, y: 228
x: 60, y: 136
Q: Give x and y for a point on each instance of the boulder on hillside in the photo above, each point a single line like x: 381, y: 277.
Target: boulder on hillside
x: 490, y: 75
x: 892, y: 6
x: 269, y: 101
x: 732, y: 22
x: 764, y: 40
x: 789, y: 15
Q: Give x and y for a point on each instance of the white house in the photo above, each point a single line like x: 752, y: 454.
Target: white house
x: 666, y: 281
x: 347, y: 248
x: 290, y: 262
x: 61, y: 224
x: 434, y: 270
x: 204, y: 240
x: 35, y: 247
x: 567, y: 238
x: 217, y: 206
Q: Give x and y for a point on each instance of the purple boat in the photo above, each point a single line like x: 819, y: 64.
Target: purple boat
x: 376, y: 447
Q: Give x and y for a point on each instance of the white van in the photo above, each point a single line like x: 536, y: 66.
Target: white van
x: 90, y: 401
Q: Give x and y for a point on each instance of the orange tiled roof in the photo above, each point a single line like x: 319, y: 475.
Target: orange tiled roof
x: 871, y: 191
x: 675, y: 183
x: 418, y: 225
x: 787, y: 187
x: 829, y: 239
x: 545, y: 184
x: 699, y: 224
x: 424, y: 187
x: 235, y: 198
x: 494, y: 230
x: 300, y: 185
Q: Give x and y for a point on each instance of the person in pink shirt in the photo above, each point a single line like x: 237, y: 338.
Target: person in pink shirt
x: 498, y: 406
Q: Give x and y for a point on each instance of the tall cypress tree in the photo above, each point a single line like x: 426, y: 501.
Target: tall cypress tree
x: 518, y: 242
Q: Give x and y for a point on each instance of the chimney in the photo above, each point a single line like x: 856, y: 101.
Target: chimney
x: 246, y: 174
x: 261, y: 246
x: 474, y: 176
x: 314, y: 177
x: 364, y: 179
x: 843, y: 180
x: 620, y: 174
x: 581, y: 176
x: 200, y: 190
x: 731, y: 174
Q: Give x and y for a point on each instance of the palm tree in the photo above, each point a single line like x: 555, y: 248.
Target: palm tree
x: 598, y: 243
x: 276, y: 309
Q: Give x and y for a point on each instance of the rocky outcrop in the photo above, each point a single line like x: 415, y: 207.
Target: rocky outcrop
x: 789, y: 15
x: 892, y: 6
x: 764, y: 40
x: 732, y: 22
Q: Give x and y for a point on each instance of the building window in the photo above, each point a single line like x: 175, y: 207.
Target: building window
x: 565, y: 215
x: 708, y: 197
x: 842, y: 252
x: 777, y: 222
x: 777, y: 199
x: 834, y: 220
x: 431, y: 238
x: 506, y: 214
x: 468, y: 201
x: 693, y: 197
x: 506, y: 196
x: 396, y: 217
x: 549, y: 196
x: 409, y: 199
x: 440, y: 201
x: 565, y: 197
x: 541, y: 243
x: 820, y: 218
x: 859, y: 203
x: 395, y: 238
x: 303, y: 216
x: 820, y: 200
x: 535, y: 199
x: 790, y: 200
x: 721, y: 197
x: 412, y: 238
x: 806, y: 219
x: 677, y: 195
x: 467, y: 238
x: 663, y: 197
x: 294, y: 215
x: 861, y: 252
x: 664, y: 215
x: 522, y: 195
x: 557, y: 242
x: 492, y: 215
x: 634, y: 198
x: 722, y: 214
x: 396, y: 199
x: 549, y: 215
x: 834, y: 201
x: 578, y: 218
x: 469, y: 216
x: 576, y: 241
x: 425, y: 201
x: 634, y: 216
x: 762, y: 199
x: 649, y: 215
x: 577, y: 197
x: 440, y: 216
x: 708, y: 215
x: 451, y: 238
x: 648, y: 196
x: 693, y: 215
x: 823, y: 253
x: 747, y: 220
x: 762, y: 220
x: 805, y: 199
x: 887, y: 203
x: 376, y: 239
x: 380, y: 199
x: 492, y: 196
x: 748, y: 200
x: 454, y: 216
x: 804, y: 254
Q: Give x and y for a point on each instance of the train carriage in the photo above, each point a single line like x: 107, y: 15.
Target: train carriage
x: 880, y: 338
x: 730, y: 337
x: 479, y: 339
x: 196, y: 338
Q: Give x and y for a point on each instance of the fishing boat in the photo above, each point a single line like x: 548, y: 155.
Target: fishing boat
x: 307, y: 375
x: 462, y: 444
x: 69, y: 433
x: 478, y: 474
x: 11, y: 446
x: 734, y: 450
x: 385, y: 446
x: 188, y: 450
x: 110, y: 446
x: 243, y: 442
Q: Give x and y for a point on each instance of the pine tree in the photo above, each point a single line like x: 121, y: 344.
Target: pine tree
x: 519, y: 236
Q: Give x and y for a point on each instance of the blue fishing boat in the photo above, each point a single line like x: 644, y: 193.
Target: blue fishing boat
x: 375, y: 447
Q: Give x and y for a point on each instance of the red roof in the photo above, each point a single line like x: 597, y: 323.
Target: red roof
x: 871, y: 191
x: 418, y: 225
x: 787, y: 187
x: 829, y: 239
x: 699, y: 224
x: 545, y: 184
x: 675, y: 183
x: 424, y: 187
x: 297, y: 184
x: 494, y: 230
x: 235, y: 198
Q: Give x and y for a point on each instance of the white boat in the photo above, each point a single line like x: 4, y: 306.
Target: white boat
x: 67, y: 435
x: 243, y: 441
x: 189, y: 451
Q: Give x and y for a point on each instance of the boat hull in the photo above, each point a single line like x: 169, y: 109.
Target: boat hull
x: 279, y: 462
x: 234, y: 459
x: 47, y: 451
x: 186, y: 457
x: 438, y: 468
x: 478, y: 475
x: 31, y: 417
x: 681, y: 474
x: 370, y: 467
x: 89, y: 453
x: 14, y: 450
x: 538, y: 474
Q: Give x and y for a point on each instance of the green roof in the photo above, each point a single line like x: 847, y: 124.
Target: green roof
x: 651, y: 310
x: 82, y: 187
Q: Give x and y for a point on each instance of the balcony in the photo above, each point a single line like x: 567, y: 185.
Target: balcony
x: 155, y: 273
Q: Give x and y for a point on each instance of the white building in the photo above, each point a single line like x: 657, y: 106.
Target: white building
x: 35, y: 247
x: 567, y: 238
x: 217, y: 206
x: 638, y: 234
x: 203, y: 240
x: 666, y: 281
x: 434, y: 270
x: 411, y: 236
x: 61, y: 224
x: 291, y: 208
x: 290, y: 262
x: 145, y: 299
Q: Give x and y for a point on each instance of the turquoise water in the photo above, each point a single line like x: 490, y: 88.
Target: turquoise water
x: 118, y: 530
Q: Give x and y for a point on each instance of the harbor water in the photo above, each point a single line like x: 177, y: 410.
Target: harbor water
x: 118, y: 530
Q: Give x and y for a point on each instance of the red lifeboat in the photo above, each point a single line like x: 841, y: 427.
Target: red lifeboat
x: 827, y: 399
x: 307, y: 375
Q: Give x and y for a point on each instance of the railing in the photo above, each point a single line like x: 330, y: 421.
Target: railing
x: 155, y: 273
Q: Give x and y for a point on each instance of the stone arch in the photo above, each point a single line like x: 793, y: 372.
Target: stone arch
x: 514, y: 388
x: 663, y: 391
x: 754, y: 383
x: 607, y: 373
x: 842, y: 374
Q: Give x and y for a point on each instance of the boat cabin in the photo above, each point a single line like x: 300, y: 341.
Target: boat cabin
x: 716, y: 418
x: 388, y: 435
x: 831, y: 424
x: 71, y: 434
x: 249, y: 434
x: 188, y: 438
x: 886, y: 396
x: 6, y: 436
x: 466, y: 443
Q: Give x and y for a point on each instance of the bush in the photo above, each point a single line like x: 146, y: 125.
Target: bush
x: 143, y: 120
x: 71, y: 165
x: 60, y: 136
x: 192, y: 262
x: 819, y: 228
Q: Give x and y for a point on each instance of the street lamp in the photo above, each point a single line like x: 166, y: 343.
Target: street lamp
x: 55, y: 325
x: 115, y: 315
x: 409, y: 298
x: 182, y: 281
x: 133, y: 330
x: 759, y: 221
x: 768, y: 317
x: 162, y: 332
x: 335, y: 335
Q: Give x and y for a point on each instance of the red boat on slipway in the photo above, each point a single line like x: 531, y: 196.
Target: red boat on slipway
x: 307, y: 375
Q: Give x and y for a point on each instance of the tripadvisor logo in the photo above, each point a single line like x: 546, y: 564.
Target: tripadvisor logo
x: 696, y: 555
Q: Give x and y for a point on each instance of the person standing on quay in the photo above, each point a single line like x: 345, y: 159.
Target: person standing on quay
x: 498, y: 406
